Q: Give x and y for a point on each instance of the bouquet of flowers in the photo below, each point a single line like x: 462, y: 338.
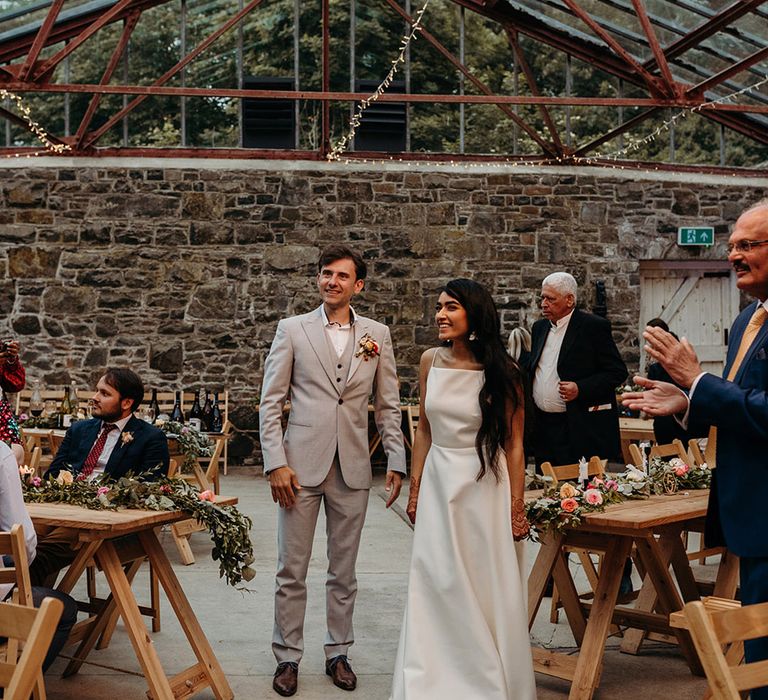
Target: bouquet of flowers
x: 563, y: 506
x: 228, y: 527
x: 665, y: 476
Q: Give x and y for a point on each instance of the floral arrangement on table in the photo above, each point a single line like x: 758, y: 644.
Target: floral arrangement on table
x: 45, y: 422
x: 565, y: 505
x: 229, y: 528
x: 192, y: 442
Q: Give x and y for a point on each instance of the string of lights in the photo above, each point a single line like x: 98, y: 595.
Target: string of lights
x: 25, y: 113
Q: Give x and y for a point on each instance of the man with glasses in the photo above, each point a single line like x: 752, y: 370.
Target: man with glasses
x: 737, y: 404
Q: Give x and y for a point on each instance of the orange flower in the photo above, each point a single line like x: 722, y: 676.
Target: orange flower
x: 569, y: 505
x: 207, y: 495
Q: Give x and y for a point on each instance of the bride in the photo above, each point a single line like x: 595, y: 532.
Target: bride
x: 465, y: 630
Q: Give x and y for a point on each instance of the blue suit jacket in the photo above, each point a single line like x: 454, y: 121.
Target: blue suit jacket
x: 736, y: 515
x: 148, y: 448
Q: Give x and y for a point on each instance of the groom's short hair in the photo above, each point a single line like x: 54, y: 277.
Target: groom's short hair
x: 336, y: 251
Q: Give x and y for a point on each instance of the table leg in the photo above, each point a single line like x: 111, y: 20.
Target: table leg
x: 76, y: 568
x: 208, y: 663
x: 727, y: 579
x: 551, y: 544
x: 590, y: 661
x: 669, y: 600
x: 137, y: 632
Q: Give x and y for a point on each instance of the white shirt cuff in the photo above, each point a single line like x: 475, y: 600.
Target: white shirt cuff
x: 683, y: 420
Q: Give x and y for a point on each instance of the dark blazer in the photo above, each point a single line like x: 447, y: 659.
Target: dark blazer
x: 148, y: 448
x: 736, y: 514
x: 589, y: 357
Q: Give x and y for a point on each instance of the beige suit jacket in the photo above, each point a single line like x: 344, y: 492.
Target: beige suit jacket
x: 325, y: 418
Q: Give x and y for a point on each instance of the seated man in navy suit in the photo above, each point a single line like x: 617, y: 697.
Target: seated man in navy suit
x: 113, y: 443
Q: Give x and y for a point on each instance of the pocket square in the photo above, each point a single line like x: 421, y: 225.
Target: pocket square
x: 601, y: 407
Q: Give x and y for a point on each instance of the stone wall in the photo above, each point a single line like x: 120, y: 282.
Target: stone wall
x: 182, y: 269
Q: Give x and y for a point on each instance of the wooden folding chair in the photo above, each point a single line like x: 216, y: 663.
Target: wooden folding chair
x: 667, y: 450
x: 34, y: 628
x: 714, y: 625
x: 413, y: 422
x: 708, y: 456
x: 565, y: 472
x: 12, y: 543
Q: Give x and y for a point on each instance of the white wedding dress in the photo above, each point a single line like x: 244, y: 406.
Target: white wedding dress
x: 465, y: 629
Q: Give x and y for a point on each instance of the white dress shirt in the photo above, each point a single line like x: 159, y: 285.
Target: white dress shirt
x: 338, y: 334
x: 546, y: 390
x: 12, y: 508
x: 109, y: 446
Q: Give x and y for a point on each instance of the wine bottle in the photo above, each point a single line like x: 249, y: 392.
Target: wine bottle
x: 36, y: 404
x: 74, y: 404
x: 65, y: 412
x: 196, y: 411
x: 207, y: 412
x: 177, y: 414
x: 154, y: 407
x: 217, y: 421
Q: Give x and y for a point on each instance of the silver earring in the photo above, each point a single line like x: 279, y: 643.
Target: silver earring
x: 472, y: 336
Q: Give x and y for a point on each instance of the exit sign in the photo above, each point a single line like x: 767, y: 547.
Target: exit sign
x: 696, y: 235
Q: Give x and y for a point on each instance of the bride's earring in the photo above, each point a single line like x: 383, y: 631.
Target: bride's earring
x: 472, y: 336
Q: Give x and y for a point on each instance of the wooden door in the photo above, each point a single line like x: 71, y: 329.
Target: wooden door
x: 697, y: 299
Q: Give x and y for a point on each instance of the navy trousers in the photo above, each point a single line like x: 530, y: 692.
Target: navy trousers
x: 754, y: 589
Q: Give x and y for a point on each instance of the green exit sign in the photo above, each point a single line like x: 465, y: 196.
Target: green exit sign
x: 696, y: 235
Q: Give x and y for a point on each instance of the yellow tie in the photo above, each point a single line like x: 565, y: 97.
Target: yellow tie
x: 752, y: 329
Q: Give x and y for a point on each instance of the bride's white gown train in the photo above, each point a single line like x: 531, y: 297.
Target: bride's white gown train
x: 465, y: 629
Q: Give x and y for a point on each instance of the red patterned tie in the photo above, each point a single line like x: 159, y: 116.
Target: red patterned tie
x: 98, y: 447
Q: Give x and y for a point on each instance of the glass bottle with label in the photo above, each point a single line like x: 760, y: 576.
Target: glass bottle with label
x: 65, y: 410
x: 177, y: 414
x: 154, y: 407
x: 217, y: 420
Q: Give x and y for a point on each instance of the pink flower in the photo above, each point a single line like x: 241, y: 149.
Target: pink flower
x: 569, y: 505
x: 611, y: 485
x: 593, y: 497
x: 166, y: 489
x: 596, y: 482
x: 207, y: 495
x: 681, y: 470
x: 36, y: 481
x: 23, y: 417
x: 102, y: 490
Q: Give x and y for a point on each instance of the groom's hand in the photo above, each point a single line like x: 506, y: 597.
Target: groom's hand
x: 392, y: 486
x: 284, y: 485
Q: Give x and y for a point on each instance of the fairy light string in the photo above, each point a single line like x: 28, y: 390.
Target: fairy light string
x: 25, y: 113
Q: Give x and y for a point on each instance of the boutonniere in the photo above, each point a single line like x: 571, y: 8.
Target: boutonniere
x: 126, y: 437
x: 367, y: 347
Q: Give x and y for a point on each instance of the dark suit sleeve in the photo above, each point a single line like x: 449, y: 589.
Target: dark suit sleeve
x: 743, y: 412
x: 155, y: 452
x: 610, y: 371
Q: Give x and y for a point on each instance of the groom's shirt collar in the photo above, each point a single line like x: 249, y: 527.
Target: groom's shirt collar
x: 338, y: 334
x: 334, y: 324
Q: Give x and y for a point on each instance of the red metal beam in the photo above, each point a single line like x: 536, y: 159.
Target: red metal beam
x: 129, y: 26
x: 546, y: 147
x: 672, y: 87
x: 109, y: 16
x: 613, y: 133
x: 654, y: 84
x: 40, y: 40
x: 19, y: 121
x: 723, y: 75
x: 202, y: 46
x: 713, y: 25
x: 531, y: 80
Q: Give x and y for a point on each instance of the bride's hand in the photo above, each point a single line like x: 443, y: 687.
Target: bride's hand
x: 520, y: 525
x: 410, y: 509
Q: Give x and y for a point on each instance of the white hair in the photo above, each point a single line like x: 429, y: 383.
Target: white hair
x: 562, y: 282
x: 519, y: 340
x: 763, y: 203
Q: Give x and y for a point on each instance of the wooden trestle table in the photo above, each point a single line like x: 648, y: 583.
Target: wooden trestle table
x: 654, y: 528
x: 101, y: 534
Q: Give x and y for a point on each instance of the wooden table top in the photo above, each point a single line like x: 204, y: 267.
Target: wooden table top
x: 644, y: 514
x: 100, y: 523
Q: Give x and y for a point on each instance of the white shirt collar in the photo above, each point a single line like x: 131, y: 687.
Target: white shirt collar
x: 120, y: 423
x: 561, y: 322
x: 328, y: 324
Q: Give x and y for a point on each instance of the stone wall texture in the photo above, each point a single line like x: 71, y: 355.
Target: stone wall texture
x: 183, y: 272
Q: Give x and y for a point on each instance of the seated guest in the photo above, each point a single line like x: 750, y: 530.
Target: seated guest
x: 13, y: 512
x: 12, y: 379
x: 112, y: 443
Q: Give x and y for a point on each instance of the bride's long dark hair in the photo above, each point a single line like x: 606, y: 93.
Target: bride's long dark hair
x: 503, y: 379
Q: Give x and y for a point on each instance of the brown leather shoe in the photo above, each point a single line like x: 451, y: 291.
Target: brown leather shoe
x: 286, y: 678
x: 341, y: 672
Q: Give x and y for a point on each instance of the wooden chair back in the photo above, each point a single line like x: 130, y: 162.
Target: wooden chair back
x: 565, y: 472
x: 54, y: 442
x: 413, y: 421
x: 34, y: 628
x: 12, y: 544
x: 173, y: 468
x: 668, y: 450
x: 35, y: 459
x: 711, y: 630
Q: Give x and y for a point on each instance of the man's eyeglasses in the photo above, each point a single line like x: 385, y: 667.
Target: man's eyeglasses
x: 744, y: 246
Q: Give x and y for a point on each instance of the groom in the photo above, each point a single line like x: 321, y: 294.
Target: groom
x: 328, y: 362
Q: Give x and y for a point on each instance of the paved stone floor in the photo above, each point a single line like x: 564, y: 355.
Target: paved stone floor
x: 239, y: 623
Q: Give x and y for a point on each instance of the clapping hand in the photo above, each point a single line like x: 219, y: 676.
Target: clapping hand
x: 676, y: 356
x: 658, y: 399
